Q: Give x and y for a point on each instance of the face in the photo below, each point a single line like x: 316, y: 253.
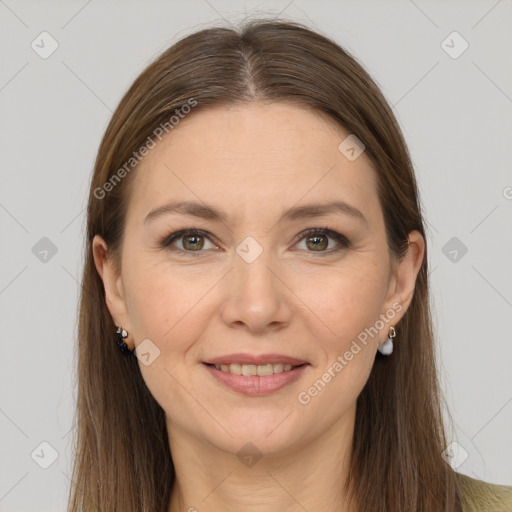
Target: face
x: 241, y: 276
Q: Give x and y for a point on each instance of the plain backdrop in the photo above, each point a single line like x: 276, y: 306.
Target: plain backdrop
x: 453, y: 103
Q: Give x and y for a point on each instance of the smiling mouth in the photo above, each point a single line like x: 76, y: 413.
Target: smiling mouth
x: 251, y: 370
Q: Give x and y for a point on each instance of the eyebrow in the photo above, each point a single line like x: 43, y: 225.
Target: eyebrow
x: 208, y: 212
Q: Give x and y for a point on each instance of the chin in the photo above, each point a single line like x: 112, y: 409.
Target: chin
x: 268, y: 434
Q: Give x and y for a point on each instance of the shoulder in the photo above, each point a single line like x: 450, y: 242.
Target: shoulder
x: 480, y: 496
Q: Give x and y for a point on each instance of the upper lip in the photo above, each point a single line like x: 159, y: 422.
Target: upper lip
x: 255, y: 359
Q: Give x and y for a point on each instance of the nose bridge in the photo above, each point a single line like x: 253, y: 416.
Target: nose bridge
x: 253, y: 265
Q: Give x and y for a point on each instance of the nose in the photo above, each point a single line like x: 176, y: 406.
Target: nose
x: 257, y: 296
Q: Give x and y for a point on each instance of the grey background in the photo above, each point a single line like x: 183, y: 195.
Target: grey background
x: 455, y: 113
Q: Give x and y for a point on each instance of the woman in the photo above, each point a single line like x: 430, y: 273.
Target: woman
x: 255, y: 331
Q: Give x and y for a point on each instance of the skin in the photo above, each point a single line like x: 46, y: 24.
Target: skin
x: 254, y: 162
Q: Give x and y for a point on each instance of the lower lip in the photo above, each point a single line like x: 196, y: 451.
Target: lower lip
x: 255, y: 385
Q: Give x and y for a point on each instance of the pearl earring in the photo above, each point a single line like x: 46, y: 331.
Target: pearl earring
x: 386, y: 348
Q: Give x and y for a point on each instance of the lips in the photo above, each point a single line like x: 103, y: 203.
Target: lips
x: 256, y: 375
x: 249, y: 383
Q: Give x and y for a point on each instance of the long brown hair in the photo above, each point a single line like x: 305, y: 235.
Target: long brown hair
x: 122, y: 457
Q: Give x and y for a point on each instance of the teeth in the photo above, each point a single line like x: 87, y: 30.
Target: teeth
x: 262, y: 370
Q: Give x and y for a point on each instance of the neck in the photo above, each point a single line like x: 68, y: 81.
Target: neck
x: 307, y: 477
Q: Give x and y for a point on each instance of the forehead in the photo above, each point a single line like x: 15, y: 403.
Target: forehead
x: 250, y: 157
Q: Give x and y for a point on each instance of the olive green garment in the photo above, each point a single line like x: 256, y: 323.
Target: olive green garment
x: 480, y: 496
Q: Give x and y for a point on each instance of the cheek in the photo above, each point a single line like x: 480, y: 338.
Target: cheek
x: 343, y: 303
x: 171, y: 307
x: 167, y: 303
x: 344, y: 312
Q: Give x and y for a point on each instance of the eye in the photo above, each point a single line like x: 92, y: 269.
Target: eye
x: 195, y: 240
x: 317, y: 240
x: 188, y: 240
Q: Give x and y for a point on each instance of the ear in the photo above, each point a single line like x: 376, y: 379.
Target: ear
x: 112, y: 281
x: 403, y: 280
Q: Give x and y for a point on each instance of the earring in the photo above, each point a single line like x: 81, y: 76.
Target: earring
x: 386, y: 348
x: 120, y: 335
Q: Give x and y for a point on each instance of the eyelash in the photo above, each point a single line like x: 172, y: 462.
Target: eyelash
x: 342, y: 240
